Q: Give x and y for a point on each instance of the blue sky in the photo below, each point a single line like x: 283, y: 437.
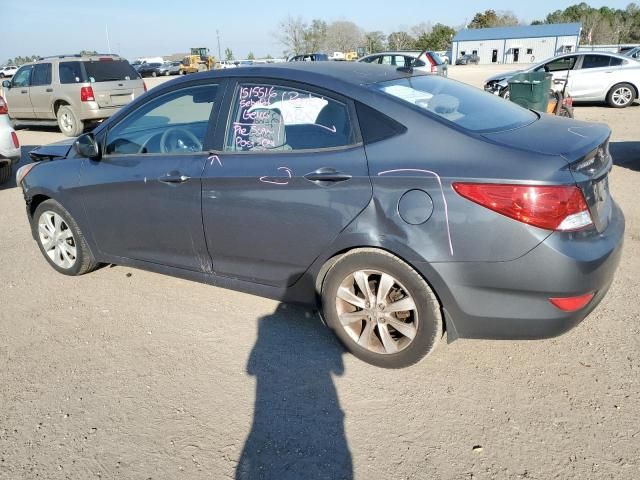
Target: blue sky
x: 156, y: 27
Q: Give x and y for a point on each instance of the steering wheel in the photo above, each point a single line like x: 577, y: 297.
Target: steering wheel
x: 179, y: 140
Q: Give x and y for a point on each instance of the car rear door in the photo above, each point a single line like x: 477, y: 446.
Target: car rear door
x: 143, y: 197
x: 290, y: 174
x: 590, y: 80
x: 41, y: 91
x: 17, y: 96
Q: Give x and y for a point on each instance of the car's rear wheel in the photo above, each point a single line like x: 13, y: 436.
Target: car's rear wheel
x: 68, y: 122
x: 621, y: 95
x: 381, y: 309
x: 60, y: 240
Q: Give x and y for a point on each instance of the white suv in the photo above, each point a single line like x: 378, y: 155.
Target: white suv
x: 8, y: 71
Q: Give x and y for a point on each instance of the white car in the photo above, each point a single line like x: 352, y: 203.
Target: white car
x: 8, y: 71
x: 592, y: 77
x: 9, y: 144
x: 424, y: 61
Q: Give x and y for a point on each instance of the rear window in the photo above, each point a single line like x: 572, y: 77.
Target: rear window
x: 468, y: 107
x: 109, y: 71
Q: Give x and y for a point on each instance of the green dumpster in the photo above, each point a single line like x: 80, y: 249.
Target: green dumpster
x: 530, y: 90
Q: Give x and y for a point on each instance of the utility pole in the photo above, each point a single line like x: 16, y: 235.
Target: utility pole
x: 219, y: 51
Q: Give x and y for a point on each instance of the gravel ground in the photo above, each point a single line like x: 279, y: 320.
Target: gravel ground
x: 129, y: 374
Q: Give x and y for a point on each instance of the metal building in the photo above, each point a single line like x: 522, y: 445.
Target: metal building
x: 520, y: 44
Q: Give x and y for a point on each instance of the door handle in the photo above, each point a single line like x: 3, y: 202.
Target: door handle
x: 24, y: 91
x: 327, y: 175
x: 174, y: 179
x: 49, y: 90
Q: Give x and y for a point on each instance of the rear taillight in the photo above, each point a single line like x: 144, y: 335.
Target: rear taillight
x: 145, y: 86
x: 572, y: 304
x: 434, y: 66
x: 14, y: 138
x: 560, y: 207
x: 86, y: 94
x: 4, y: 108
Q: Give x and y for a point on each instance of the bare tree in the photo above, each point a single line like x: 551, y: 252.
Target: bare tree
x: 343, y: 36
x: 421, y: 29
x: 401, y: 41
x: 291, y: 34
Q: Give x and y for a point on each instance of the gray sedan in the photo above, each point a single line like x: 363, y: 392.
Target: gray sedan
x: 398, y: 203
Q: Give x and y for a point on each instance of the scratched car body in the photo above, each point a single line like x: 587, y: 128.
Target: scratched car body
x: 401, y: 204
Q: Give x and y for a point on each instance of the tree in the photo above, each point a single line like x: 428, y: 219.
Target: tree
x: 290, y: 33
x: 401, y: 41
x: 251, y: 56
x: 315, y: 36
x: 439, y: 38
x: 22, y: 60
x: 423, y: 28
x: 228, y: 54
x: 343, y: 36
x: 491, y: 18
x: 375, y: 41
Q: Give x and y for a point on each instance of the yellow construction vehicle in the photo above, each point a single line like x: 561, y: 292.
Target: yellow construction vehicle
x: 198, y: 61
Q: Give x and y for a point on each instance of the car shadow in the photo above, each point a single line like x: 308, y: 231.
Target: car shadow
x: 298, y: 424
x: 626, y: 154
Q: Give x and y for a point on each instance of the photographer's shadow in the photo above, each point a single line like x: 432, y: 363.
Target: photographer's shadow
x: 298, y: 425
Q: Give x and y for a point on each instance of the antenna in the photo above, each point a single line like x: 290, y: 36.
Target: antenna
x: 219, y: 51
x: 106, y: 29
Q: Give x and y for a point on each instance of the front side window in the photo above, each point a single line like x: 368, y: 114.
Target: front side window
x: 466, y: 106
x: 559, y: 65
x: 41, y: 74
x: 170, y: 124
x: 595, y: 61
x: 276, y: 118
x: 22, y: 78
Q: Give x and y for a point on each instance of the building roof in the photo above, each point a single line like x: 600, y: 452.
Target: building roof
x: 523, y: 31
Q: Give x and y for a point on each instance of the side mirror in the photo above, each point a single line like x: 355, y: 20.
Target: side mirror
x: 6, y: 83
x: 87, y: 147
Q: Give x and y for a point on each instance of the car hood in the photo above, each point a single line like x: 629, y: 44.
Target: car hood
x: 52, y: 151
x: 554, y: 135
x: 502, y: 76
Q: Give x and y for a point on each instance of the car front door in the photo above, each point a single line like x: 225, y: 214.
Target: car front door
x: 143, y: 197
x: 17, y: 96
x: 290, y: 175
x: 41, y: 91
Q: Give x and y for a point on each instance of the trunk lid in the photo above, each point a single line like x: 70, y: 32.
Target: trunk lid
x: 584, y: 147
x: 115, y: 83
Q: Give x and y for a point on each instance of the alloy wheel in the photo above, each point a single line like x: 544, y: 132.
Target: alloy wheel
x: 67, y: 121
x: 622, y: 96
x: 377, y: 311
x: 57, y: 239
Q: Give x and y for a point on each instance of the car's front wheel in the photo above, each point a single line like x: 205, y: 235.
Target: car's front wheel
x: 621, y: 95
x: 60, y: 240
x: 68, y: 122
x: 505, y: 93
x: 381, y: 309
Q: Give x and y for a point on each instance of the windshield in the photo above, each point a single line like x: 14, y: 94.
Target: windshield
x: 466, y: 106
x: 109, y: 71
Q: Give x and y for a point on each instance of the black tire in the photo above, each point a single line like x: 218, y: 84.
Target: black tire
x: 428, y: 322
x: 5, y: 172
x: 85, y: 262
x: 68, y: 122
x: 504, y: 93
x: 166, y: 73
x: 621, y: 95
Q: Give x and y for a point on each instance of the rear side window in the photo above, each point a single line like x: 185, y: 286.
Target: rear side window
x: 463, y: 105
x: 70, y: 72
x: 41, y: 74
x: 615, y: 62
x: 109, y: 71
x: 275, y: 118
x: 376, y: 126
x: 595, y: 61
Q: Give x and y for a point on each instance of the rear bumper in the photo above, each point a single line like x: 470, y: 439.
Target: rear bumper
x: 510, y: 300
x: 92, y: 111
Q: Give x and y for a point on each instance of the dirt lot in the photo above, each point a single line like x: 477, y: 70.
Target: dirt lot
x: 129, y: 374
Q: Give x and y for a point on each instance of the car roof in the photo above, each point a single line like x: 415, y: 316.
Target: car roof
x: 350, y: 73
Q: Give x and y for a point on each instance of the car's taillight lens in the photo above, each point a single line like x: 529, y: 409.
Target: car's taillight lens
x: 572, y: 304
x: 434, y: 66
x: 16, y: 142
x: 560, y: 207
x: 145, y: 86
x: 86, y: 94
x: 4, y: 109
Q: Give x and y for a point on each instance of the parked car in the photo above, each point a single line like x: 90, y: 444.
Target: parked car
x: 153, y: 69
x: 222, y: 64
x: 468, y: 59
x: 592, y: 77
x: 310, y: 57
x: 175, y: 68
x: 632, y: 53
x: 9, y: 143
x: 351, y: 200
x: 424, y: 61
x: 8, y: 71
x: 70, y: 90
